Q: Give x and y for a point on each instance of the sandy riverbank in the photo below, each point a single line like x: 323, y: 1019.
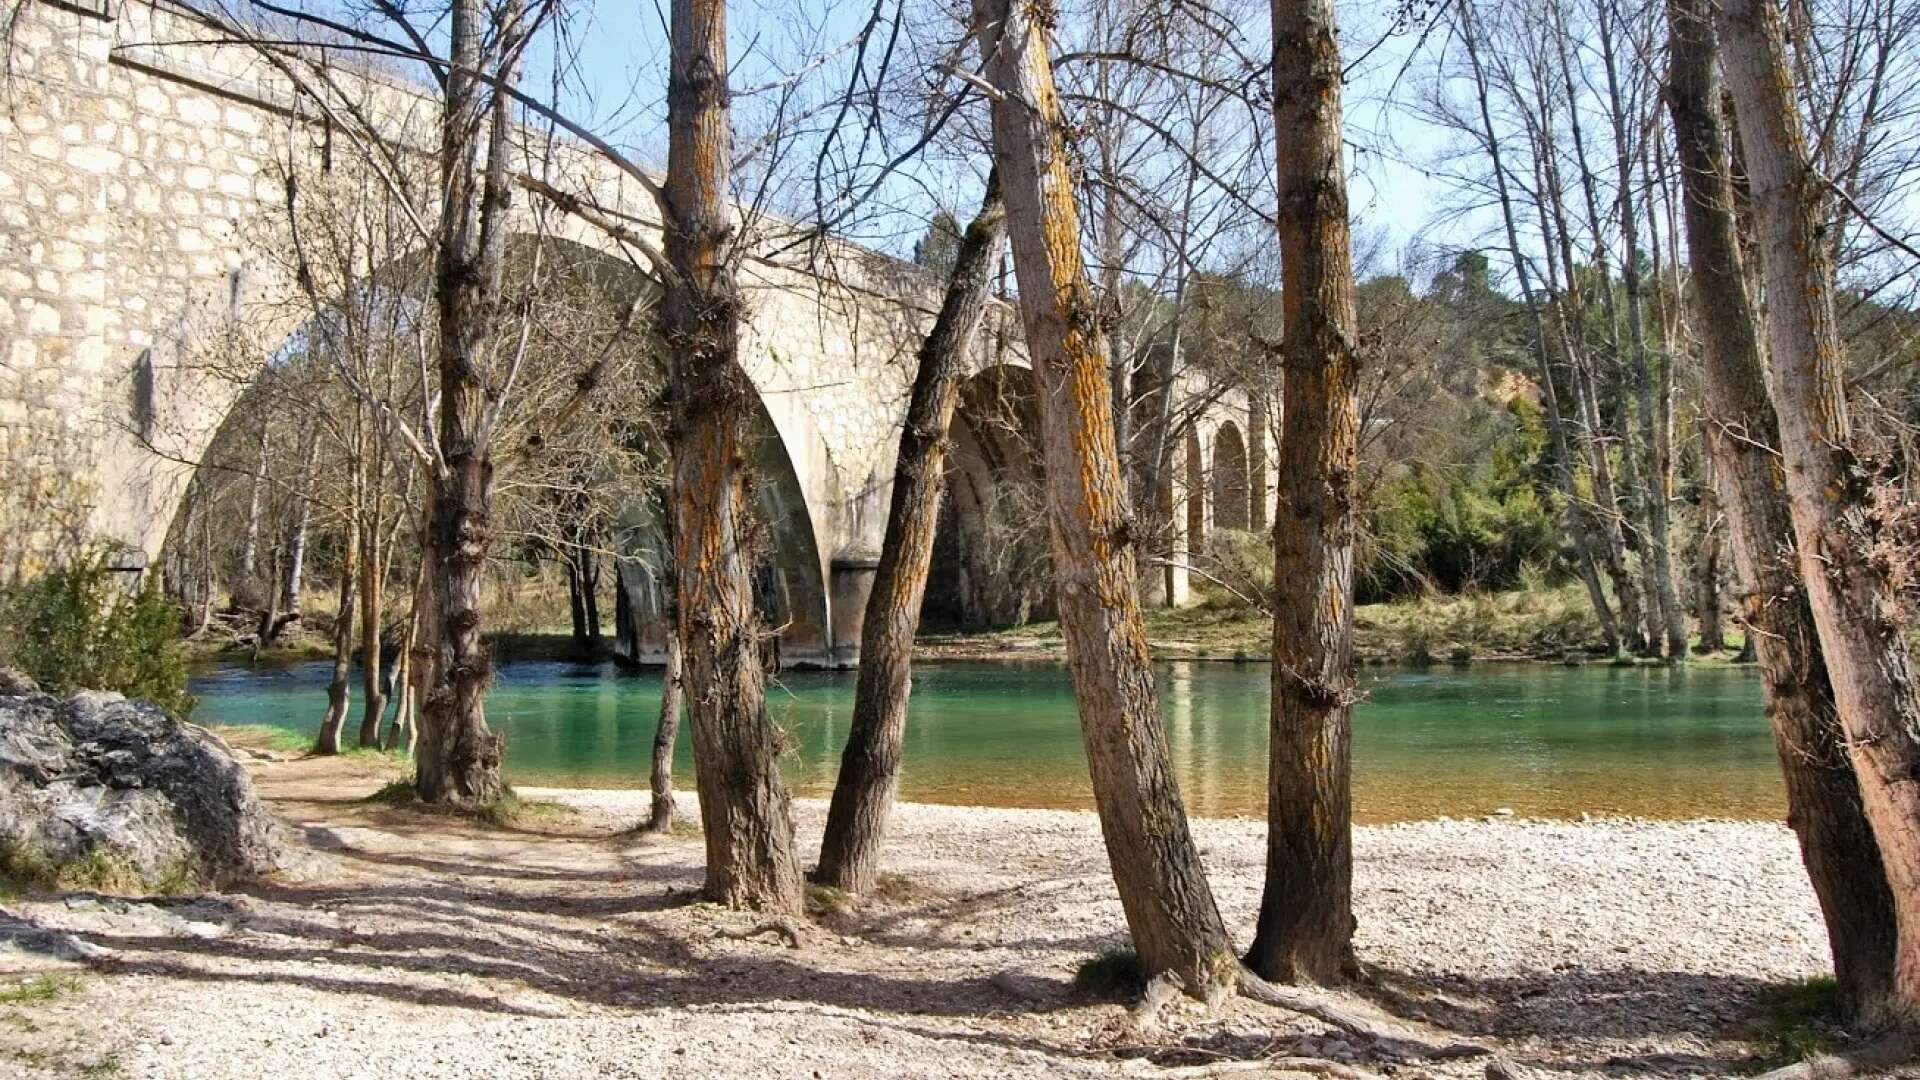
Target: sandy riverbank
x: 408, y: 945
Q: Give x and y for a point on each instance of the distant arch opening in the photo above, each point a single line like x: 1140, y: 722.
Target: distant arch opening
x: 1231, y: 509
x: 992, y: 566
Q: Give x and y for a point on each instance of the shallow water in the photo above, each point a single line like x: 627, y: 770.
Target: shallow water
x: 1541, y: 740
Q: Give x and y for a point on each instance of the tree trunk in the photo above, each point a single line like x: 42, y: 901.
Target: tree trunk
x: 870, y: 766
x: 373, y: 575
x: 297, y: 544
x: 1170, y: 910
x: 459, y: 759
x: 243, y: 592
x: 1866, y: 654
x: 405, y: 729
x: 744, y: 806
x: 1706, y: 563
x: 1305, y: 928
x: 339, y: 689
x: 1823, y: 796
x: 660, y: 782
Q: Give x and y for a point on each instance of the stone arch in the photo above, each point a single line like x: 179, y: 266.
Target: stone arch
x: 992, y: 565
x: 793, y: 596
x: 1231, y: 508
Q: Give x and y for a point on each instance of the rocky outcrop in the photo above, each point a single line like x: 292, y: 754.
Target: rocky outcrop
x: 98, y: 791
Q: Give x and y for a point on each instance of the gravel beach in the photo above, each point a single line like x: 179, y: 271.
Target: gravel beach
x: 407, y: 944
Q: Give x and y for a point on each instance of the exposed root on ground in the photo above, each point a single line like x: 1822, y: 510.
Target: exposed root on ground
x: 1893, y: 1050
x: 1387, y: 1033
x: 784, y: 927
x: 1357, y: 1016
x: 1272, y: 1066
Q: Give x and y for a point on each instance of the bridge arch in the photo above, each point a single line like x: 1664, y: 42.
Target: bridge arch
x: 1229, y: 482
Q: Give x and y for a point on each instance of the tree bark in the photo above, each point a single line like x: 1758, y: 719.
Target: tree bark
x: 660, y: 782
x: 1170, y: 909
x: 459, y: 756
x: 1305, y: 927
x: 339, y: 685
x: 870, y: 766
x: 1847, y: 589
x: 744, y: 806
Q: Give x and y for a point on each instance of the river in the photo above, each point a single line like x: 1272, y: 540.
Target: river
x: 1537, y: 739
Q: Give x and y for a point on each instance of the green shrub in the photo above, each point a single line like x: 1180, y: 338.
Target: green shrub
x: 79, y: 627
x: 1115, y: 974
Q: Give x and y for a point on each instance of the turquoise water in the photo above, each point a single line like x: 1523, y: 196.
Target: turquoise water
x: 1538, y: 739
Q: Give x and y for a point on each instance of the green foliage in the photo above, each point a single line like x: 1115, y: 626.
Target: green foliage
x: 1114, y: 974
x: 79, y: 628
x: 38, y: 989
x: 1797, y: 1017
x: 1476, y: 525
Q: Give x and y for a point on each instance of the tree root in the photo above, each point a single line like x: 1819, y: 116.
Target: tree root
x: 1359, y: 1017
x: 1385, y: 1031
x: 1304, y: 1066
x: 781, y: 926
x: 1893, y: 1050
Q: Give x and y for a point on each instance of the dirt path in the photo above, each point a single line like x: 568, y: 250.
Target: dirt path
x: 409, y: 945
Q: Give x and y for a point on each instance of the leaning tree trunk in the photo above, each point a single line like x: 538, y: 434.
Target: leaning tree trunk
x: 339, y: 686
x: 1823, y: 796
x: 870, y: 766
x: 373, y: 576
x: 1163, y: 888
x: 1305, y: 928
x: 459, y: 756
x: 295, y: 578
x: 660, y: 782
x: 745, y: 810
x: 1834, y: 525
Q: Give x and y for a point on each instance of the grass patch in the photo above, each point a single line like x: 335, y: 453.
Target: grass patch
x: 38, y: 989
x: 1115, y: 974
x: 891, y: 888
x: 28, y: 869
x: 265, y: 737
x: 1797, y: 1017
x: 393, y: 793
x: 508, y: 810
x: 827, y: 899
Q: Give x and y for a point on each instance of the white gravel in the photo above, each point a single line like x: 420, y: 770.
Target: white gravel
x: 411, y: 947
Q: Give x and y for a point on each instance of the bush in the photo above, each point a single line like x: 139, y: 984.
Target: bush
x: 80, y: 628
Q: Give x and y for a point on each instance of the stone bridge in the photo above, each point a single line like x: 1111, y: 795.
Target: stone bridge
x: 140, y: 175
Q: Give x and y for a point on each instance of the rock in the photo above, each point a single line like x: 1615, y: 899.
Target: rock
x: 13, y: 681
x: 96, y: 789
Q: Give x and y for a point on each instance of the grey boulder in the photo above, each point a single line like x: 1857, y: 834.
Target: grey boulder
x: 95, y: 780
